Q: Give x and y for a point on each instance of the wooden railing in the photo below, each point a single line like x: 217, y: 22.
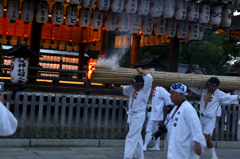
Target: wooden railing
x: 48, y: 115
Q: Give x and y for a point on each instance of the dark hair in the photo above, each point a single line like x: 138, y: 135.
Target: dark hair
x: 139, y: 79
x: 214, y: 81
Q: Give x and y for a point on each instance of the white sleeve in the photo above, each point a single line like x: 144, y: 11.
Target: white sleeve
x: 8, y: 123
x: 195, y: 90
x: 227, y: 98
x: 147, y: 83
x: 127, y: 90
x: 166, y: 96
x: 237, y: 92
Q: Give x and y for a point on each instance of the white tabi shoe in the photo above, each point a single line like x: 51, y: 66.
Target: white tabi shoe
x: 155, y: 148
x: 144, y: 148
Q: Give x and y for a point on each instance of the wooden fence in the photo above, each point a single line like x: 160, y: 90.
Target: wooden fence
x: 64, y: 116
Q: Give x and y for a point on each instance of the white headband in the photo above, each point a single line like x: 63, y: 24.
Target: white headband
x: 179, y: 87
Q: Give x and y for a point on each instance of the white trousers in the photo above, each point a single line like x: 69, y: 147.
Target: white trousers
x: 134, y: 142
x: 208, y: 125
x: 152, y: 126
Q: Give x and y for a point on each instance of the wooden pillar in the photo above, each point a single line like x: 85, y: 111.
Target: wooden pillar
x: 135, y: 49
x: 104, y: 43
x: 35, y: 43
x: 173, y: 55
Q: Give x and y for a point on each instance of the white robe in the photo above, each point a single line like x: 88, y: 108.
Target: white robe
x: 136, y: 118
x: 160, y: 98
x: 8, y: 123
x: 185, y: 131
x: 217, y: 98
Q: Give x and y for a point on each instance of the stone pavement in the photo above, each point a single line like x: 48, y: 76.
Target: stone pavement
x: 95, y: 153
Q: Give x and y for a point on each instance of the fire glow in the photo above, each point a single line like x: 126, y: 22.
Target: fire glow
x: 90, y: 68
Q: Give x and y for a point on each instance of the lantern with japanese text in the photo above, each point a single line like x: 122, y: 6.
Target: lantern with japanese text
x: 135, y: 24
x: 201, y: 31
x: 58, y: 14
x: 156, y: 8
x: 96, y: 19
x: 147, y: 25
x: 27, y: 11
x: 84, y: 17
x: 204, y: 13
x: 71, y: 15
x: 143, y: 7
x: 159, y: 26
x: 215, y: 15
x: 77, y: 2
x: 168, y: 8
x: 226, y: 18
x: 192, y: 11
x: 181, y: 10
x: 103, y: 4
x: 131, y: 6
x: 19, y: 70
x: 237, y: 5
x: 171, y: 26
x: 117, y: 5
x: 13, y: 10
x: 1, y: 8
x: 182, y: 29
x: 123, y: 22
x: 111, y: 21
x: 193, y: 31
x: 88, y: 3
x: 42, y: 12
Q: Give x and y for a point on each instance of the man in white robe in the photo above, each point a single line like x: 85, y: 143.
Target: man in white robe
x: 159, y: 97
x: 8, y: 123
x: 138, y: 94
x: 186, y: 139
x: 210, y: 107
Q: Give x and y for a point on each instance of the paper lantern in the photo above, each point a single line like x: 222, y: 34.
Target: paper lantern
x: 182, y: 29
x: 120, y: 41
x: 27, y: 12
x: 46, y: 44
x: 42, y: 12
x: 159, y: 26
x: 226, y: 18
x: 164, y: 39
x: 96, y: 19
x: 103, y: 4
x: 181, y: 10
x: 147, y: 41
x: 111, y: 21
x: 135, y: 24
x: 58, y: 14
x: 168, y: 8
x: 88, y: 3
x: 13, y: 10
x: 204, y: 13
x: 131, y: 6
x: 19, y: 70
x: 54, y: 44
x: 147, y: 26
x: 126, y: 41
x: 156, y: 8
x: 143, y: 7
x: 1, y: 8
x: 171, y: 26
x: 76, y: 47
x: 215, y: 15
x: 84, y: 17
x: 13, y: 40
x: 152, y: 40
x: 192, y: 11
x: 142, y: 41
x: 116, y: 42
x: 62, y: 45
x: 77, y: 2
x: 201, y: 31
x: 193, y: 31
x: 123, y: 22
x: 71, y: 15
x: 117, y: 5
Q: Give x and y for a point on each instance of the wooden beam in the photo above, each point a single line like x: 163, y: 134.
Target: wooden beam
x: 135, y: 49
x: 173, y: 55
x: 35, y: 43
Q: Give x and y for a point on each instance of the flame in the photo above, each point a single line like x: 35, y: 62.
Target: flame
x: 91, y: 67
